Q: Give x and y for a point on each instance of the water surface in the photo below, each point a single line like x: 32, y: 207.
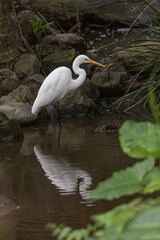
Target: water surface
x: 42, y: 181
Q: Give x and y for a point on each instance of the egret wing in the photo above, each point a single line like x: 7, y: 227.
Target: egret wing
x: 53, y: 88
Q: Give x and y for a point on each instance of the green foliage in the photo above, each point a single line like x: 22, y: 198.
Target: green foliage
x: 154, y: 107
x: 39, y: 27
x: 140, y: 139
x: 138, y: 219
x: 144, y: 55
x: 153, y: 185
x: 118, y: 222
x: 144, y: 227
x: 59, y: 231
x: 62, y: 232
x: 124, y: 182
x: 20, y: 97
x: 121, y: 215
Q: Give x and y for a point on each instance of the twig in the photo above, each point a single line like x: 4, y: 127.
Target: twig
x: 137, y: 75
x: 77, y: 15
x: 75, y: 26
x: 21, y: 34
x: 58, y: 24
x: 51, y: 29
x: 26, y: 44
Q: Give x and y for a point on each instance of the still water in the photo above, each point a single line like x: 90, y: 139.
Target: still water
x: 42, y: 181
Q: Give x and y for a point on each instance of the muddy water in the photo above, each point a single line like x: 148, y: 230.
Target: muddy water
x: 105, y: 40
x: 42, y: 181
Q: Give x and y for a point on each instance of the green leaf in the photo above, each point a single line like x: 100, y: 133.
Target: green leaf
x: 146, y: 226
x: 154, y: 107
x: 39, y: 27
x: 120, y: 215
x: 140, y: 139
x: 64, y: 233
x: 20, y: 97
x: 78, y: 234
x: 153, y: 185
x: 124, y: 182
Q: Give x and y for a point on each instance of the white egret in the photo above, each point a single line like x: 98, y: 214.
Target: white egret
x: 60, y: 82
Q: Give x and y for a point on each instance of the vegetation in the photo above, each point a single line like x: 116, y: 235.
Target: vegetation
x: 39, y: 27
x: 138, y: 219
x: 7, y: 35
x: 145, y: 55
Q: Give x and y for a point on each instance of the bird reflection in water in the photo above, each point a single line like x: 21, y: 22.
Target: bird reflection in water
x: 64, y: 176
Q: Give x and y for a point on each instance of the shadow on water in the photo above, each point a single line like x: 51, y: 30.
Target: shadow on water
x: 41, y: 182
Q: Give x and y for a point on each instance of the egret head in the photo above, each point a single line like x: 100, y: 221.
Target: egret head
x: 84, y: 59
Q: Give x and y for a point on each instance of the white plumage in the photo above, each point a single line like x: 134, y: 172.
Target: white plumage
x: 59, y: 83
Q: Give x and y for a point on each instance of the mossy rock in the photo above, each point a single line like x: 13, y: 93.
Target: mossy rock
x: 77, y: 104
x: 10, y: 130
x: 58, y: 59
x: 90, y: 90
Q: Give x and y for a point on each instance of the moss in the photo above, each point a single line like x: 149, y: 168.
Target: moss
x: 93, y: 93
x: 7, y: 34
x: 10, y: 130
x: 77, y: 110
x: 58, y: 59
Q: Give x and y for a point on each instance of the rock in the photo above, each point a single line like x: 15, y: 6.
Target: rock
x: 99, y: 11
x: 110, y: 82
x: 7, y: 206
x: 62, y: 10
x: 24, y: 93
x: 90, y: 90
x: 17, y: 105
x: 10, y: 130
x: 106, y: 129
x: 36, y: 78
x: 139, y: 54
x: 27, y: 65
x: 48, y: 49
x: 76, y: 104
x: 69, y: 39
x: 19, y: 111
x: 107, y: 10
x: 8, y: 81
x: 24, y: 18
x: 58, y: 59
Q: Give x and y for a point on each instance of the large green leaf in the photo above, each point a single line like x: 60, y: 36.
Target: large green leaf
x: 137, y: 220
x: 140, y: 139
x: 125, y: 182
x: 119, y: 216
x: 153, y: 185
x: 146, y: 226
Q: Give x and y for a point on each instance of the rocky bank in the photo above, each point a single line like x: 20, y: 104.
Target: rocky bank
x: 59, y: 45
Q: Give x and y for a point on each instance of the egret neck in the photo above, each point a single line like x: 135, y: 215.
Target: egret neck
x: 76, y: 83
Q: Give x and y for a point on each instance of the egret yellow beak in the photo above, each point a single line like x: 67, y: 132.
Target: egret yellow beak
x: 93, y: 62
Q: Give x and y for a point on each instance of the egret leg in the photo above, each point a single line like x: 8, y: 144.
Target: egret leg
x: 57, y: 116
x: 52, y: 112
